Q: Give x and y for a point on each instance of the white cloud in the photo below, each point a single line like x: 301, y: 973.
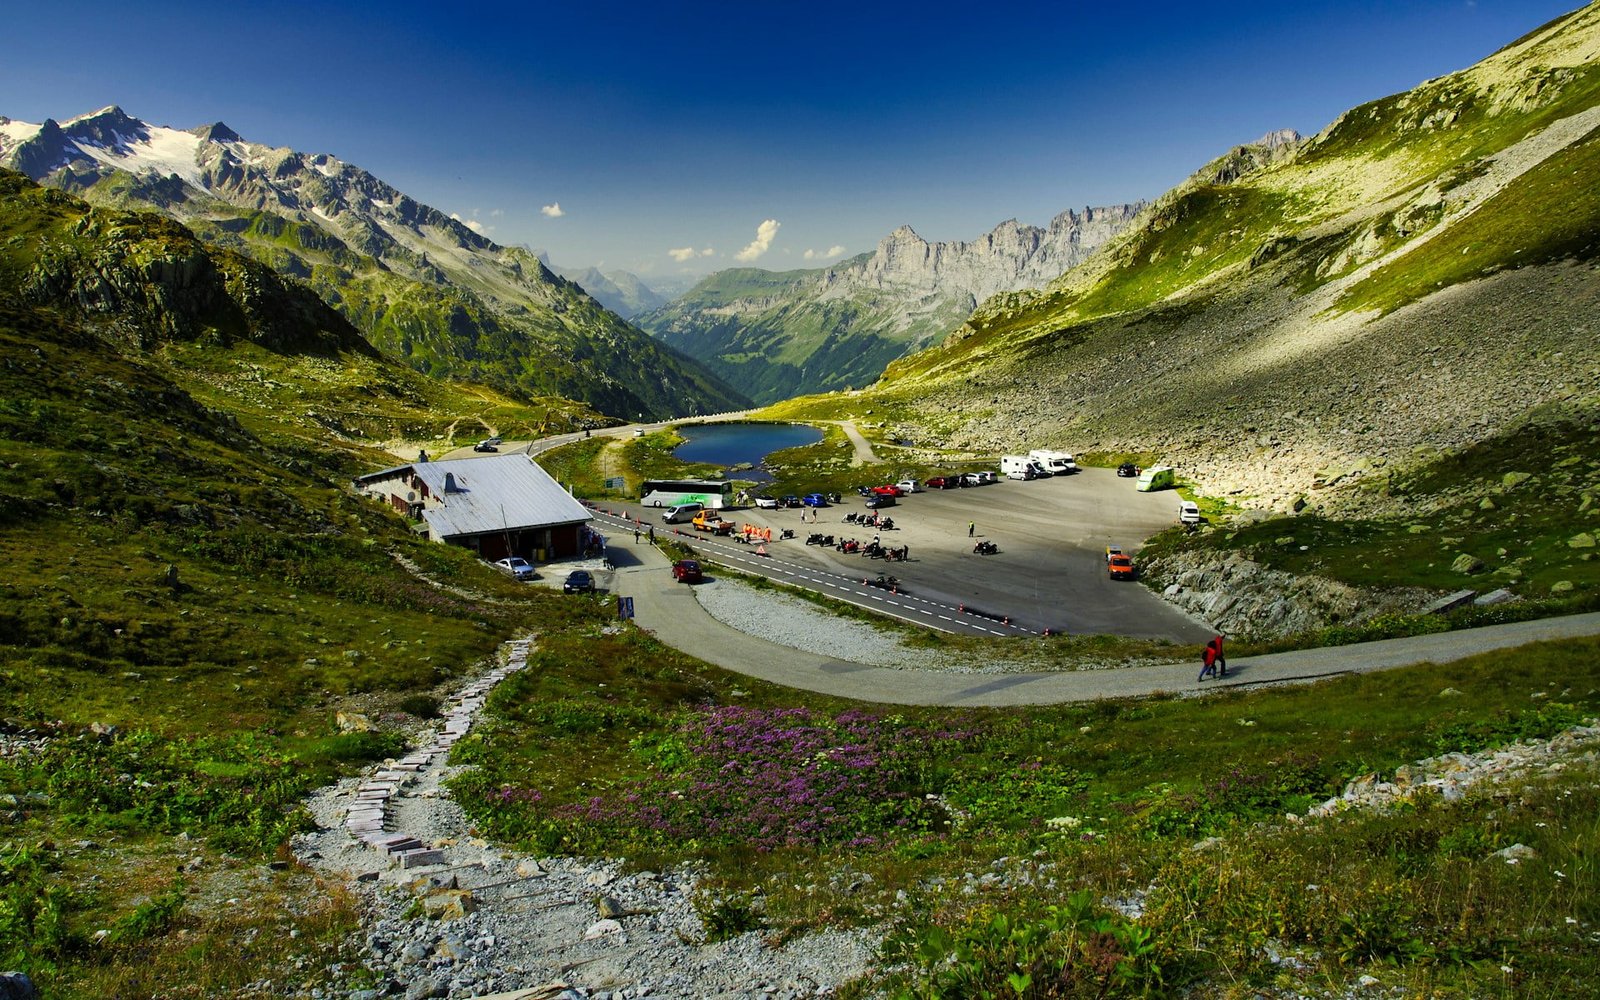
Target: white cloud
x: 553, y: 210
x: 685, y: 254
x: 765, y: 233
x: 497, y: 213
x: 472, y: 224
x: 832, y: 251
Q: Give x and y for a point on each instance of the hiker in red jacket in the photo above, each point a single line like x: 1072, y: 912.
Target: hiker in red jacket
x: 1212, y: 661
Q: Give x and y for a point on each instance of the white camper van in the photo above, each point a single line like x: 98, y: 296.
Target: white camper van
x: 1057, y: 463
x: 1020, y: 467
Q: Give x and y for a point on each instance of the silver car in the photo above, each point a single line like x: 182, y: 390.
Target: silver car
x: 516, y: 567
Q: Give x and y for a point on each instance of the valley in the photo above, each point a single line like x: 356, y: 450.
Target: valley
x: 232, y: 682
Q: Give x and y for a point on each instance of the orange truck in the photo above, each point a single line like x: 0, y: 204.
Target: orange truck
x: 710, y: 520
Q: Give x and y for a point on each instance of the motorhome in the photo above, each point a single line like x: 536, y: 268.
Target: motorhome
x: 1157, y: 477
x: 1021, y: 467
x: 1057, y: 463
x: 1188, y: 512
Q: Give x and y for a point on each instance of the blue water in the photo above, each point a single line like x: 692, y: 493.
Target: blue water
x: 732, y: 444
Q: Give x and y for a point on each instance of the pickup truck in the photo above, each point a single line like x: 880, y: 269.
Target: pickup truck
x: 710, y: 520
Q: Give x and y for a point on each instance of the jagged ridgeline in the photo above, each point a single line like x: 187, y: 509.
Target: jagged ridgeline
x: 1300, y: 312
x: 418, y: 284
x: 780, y: 334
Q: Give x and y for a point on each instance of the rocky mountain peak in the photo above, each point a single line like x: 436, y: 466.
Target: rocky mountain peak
x: 217, y: 132
x: 110, y: 127
x: 1277, y: 138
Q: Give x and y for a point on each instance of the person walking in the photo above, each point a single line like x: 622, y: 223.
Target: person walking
x: 971, y: 527
x: 1208, y: 662
x: 636, y: 534
x: 1218, y: 660
x: 651, y: 534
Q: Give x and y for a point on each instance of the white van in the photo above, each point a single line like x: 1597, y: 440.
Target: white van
x: 1057, y: 463
x: 1188, y: 512
x: 1020, y: 467
x: 679, y: 513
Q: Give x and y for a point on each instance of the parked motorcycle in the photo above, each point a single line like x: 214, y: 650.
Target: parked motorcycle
x: 884, y: 582
x: 986, y: 548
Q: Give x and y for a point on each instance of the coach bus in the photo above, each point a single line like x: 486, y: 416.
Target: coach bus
x: 712, y: 493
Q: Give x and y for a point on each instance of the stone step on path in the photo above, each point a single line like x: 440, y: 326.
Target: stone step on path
x: 368, y: 819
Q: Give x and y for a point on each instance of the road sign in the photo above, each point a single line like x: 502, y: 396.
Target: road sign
x: 624, y: 607
x: 616, y: 483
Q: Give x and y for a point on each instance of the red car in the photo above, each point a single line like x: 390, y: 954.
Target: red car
x: 888, y: 490
x: 936, y: 483
x: 687, y: 571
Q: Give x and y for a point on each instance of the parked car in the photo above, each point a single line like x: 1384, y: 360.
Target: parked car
x: 497, y: 439
x: 986, y: 477
x: 790, y: 500
x: 972, y: 479
x: 1127, y: 470
x: 814, y: 500
x: 1120, y: 567
x: 485, y: 446
x: 865, y: 491
x: 880, y: 500
x: 938, y: 483
x: 1188, y: 512
x: 835, y: 498
x: 578, y: 581
x: 517, y: 567
x: 767, y: 503
x: 909, y: 486
x: 886, y: 491
x: 687, y: 571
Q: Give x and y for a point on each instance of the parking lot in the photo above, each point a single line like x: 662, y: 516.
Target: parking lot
x: 1049, y: 572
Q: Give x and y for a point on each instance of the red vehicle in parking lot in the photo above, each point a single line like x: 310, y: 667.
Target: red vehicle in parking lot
x: 687, y: 571
x: 888, y: 490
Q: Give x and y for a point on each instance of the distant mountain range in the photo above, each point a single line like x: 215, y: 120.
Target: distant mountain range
x: 778, y: 334
x: 623, y: 292
x: 417, y: 283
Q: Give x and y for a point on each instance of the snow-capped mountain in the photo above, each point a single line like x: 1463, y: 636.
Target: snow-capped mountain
x: 417, y: 282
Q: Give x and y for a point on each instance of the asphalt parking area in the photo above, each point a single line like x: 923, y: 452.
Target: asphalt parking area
x: 1049, y: 572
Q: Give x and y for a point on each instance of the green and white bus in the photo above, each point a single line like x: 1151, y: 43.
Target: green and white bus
x: 714, y: 494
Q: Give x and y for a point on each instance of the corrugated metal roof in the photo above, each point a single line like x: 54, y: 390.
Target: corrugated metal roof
x: 494, y: 494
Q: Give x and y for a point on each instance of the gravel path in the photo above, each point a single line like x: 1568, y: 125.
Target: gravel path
x: 451, y: 916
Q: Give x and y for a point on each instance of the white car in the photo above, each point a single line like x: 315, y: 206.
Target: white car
x: 1188, y: 512
x: 910, y: 485
x: 516, y: 567
x: 767, y: 503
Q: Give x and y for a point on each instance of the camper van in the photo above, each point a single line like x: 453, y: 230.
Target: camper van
x: 1188, y: 512
x: 1020, y: 467
x: 1157, y: 477
x: 1057, y: 463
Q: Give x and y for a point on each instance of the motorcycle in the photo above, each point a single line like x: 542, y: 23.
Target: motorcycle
x: 884, y: 582
x: 848, y: 545
x: 786, y: 533
x: 817, y: 538
x: 887, y: 524
x: 986, y: 548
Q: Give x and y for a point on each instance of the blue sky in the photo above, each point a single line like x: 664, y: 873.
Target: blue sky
x: 685, y: 126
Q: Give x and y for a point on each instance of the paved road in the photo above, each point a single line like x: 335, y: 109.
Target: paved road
x: 669, y: 610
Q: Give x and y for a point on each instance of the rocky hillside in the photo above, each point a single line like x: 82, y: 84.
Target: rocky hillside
x: 1302, y: 315
x: 419, y: 284
x: 783, y: 333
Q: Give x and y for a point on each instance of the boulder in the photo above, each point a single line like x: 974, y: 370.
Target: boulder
x: 1467, y: 563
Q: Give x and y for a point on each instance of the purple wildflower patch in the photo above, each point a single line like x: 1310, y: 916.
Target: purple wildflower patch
x: 769, y: 779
